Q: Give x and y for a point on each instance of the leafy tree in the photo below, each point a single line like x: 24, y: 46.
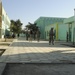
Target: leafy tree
x: 19, y: 26
x: 16, y: 26
x: 32, y: 27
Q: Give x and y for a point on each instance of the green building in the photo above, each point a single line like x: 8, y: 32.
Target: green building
x: 61, y: 26
x: 44, y: 22
x: 60, y: 30
x: 71, y: 28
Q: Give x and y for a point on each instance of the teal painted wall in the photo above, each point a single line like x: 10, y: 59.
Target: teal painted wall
x: 42, y: 22
x: 68, y: 25
x: 64, y: 26
x: 62, y: 31
x: 71, y: 22
x: 73, y: 32
x: 68, y: 20
x: 47, y: 29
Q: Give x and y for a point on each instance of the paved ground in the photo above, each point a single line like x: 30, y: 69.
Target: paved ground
x: 40, y: 69
x: 22, y: 51
x: 3, y: 47
x: 25, y: 52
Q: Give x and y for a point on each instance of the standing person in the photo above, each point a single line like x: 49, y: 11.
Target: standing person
x: 67, y: 37
x: 26, y: 35
x: 34, y: 35
x: 13, y: 35
x: 18, y: 35
x: 51, y: 36
x: 38, y: 35
x: 31, y: 33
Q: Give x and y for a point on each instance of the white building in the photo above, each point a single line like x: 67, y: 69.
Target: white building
x: 4, y: 22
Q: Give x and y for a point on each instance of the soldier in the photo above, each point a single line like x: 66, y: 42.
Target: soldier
x: 67, y: 37
x: 38, y: 35
x: 51, y: 36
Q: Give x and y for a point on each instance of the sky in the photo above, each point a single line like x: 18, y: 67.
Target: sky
x: 31, y: 10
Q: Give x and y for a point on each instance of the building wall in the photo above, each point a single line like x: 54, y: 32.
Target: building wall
x: 47, y: 29
x: 42, y: 22
x: 71, y: 27
x: 62, y: 31
x: 60, y: 25
x: 4, y: 22
x: 73, y: 32
x: 0, y: 18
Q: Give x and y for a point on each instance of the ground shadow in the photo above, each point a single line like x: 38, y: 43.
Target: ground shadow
x: 38, y: 63
x: 59, y: 56
x: 51, y: 63
x: 39, y: 44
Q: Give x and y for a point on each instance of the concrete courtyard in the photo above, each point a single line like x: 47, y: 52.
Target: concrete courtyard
x: 22, y: 51
x: 25, y: 52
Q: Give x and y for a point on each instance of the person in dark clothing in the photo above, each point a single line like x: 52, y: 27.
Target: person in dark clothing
x: 30, y: 33
x: 67, y: 37
x: 27, y: 35
x: 51, y: 36
x: 38, y: 35
x: 18, y: 35
x: 13, y: 35
x: 34, y: 35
